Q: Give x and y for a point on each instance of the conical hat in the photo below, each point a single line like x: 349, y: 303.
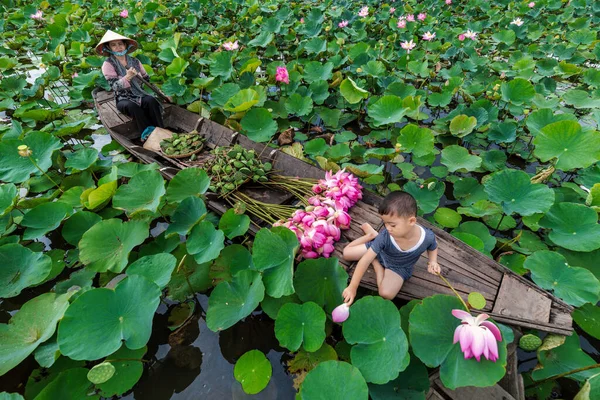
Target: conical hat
x: 109, y: 36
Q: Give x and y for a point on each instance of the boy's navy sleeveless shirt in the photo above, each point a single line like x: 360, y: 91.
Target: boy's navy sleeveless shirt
x: 401, y: 262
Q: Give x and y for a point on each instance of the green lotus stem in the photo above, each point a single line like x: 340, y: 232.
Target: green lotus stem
x: 571, y: 372
x: 45, y: 174
x: 187, y: 279
x: 455, y: 292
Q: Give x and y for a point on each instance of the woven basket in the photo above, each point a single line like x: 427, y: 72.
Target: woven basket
x: 186, y: 155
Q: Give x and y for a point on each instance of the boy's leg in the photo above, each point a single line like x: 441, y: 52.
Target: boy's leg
x: 356, y: 249
x: 390, y: 283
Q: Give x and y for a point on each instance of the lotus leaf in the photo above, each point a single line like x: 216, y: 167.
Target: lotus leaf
x: 97, y: 198
x: 574, y: 285
x: 411, y: 384
x: 242, y: 101
x: 47, y: 353
x: 187, y: 182
x: 156, y: 268
x: 588, y: 318
x: 462, y: 125
x: 415, y: 140
x: 513, y: 190
x: 233, y: 224
x: 77, y: 225
x: 321, y: 281
x: 220, y: 65
x: 233, y: 259
x: 493, y: 160
x: 306, y: 361
x: 503, y: 132
x: 468, y: 191
x: 177, y: 67
x: 253, y: 370
x: 573, y: 226
x: 106, y: 245
x: 298, y: 105
x: 17, y: 169
x: 447, y: 217
x: 205, y: 242
x: 279, y: 280
x: 514, y: 261
x: 258, y: 125
x: 8, y: 196
x: 380, y: 348
x: 189, y: 277
x: 458, y: 158
x: 352, y: 92
x: 506, y: 36
x: 317, y: 384
x: 388, y: 109
x: 518, y: 91
x: 10, y: 396
x: 21, y: 268
x: 590, y: 389
x: 427, y: 199
x: 232, y: 301
x: 69, y: 384
x: 43, y: 219
x: 97, y: 322
x: 544, y: 117
x: 81, y: 159
x: 127, y: 371
x: 188, y: 213
x: 300, y: 325
x: 37, y: 317
x: 572, y: 146
x: 142, y: 193
x: 132, y: 168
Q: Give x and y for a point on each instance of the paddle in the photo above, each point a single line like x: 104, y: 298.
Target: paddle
x: 154, y: 88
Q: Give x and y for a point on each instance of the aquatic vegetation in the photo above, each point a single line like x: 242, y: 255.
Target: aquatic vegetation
x: 477, y: 336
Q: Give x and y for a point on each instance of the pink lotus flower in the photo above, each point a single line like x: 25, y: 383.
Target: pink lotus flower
x: 477, y: 336
x: 231, y: 45
x: 124, y: 13
x: 461, y: 37
x: 363, y: 12
x: 402, y: 23
x: 469, y: 34
x: 448, y: 2
x: 282, y: 75
x: 343, y: 24
x: 410, y: 18
x: 75, y: 75
x: 341, y: 219
x: 429, y: 36
x: 421, y: 16
x: 408, y: 46
x: 340, y: 313
x: 302, y: 20
x: 38, y: 16
x: 392, y: 10
x: 531, y: 5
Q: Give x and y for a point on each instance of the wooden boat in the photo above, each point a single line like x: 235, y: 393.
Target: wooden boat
x: 511, y: 298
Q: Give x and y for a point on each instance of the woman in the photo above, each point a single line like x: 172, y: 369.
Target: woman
x: 120, y: 70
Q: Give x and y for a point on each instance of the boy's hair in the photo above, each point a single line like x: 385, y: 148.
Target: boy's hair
x: 398, y: 203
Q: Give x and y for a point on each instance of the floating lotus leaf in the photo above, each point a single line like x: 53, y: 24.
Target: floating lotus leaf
x: 279, y: 280
x: 220, y: 64
x: 315, y: 71
x: 493, y: 160
x: 205, y: 242
x: 242, y: 100
x: 100, y: 373
x: 573, y: 226
x: 32, y: 325
x: 258, y: 125
x: 380, y: 348
x: 458, y: 158
x: 142, y: 193
x: 97, y: 198
x: 189, y: 277
x: 187, y: 182
x: 574, y: 285
x: 503, y: 132
x: 518, y: 91
x: 69, y: 384
x: 253, y: 370
x: 388, y: 109
x: 322, y: 281
x: 271, y: 305
x: 476, y: 300
x: 580, y: 99
x: 462, y: 125
x: 431, y: 328
x: 262, y: 40
x: 427, y: 199
x: 132, y: 168
x: 78, y: 224
x: 590, y: 389
x: 352, y: 92
x: 306, y: 361
x: 47, y: 353
x: 21, y: 268
x: 231, y: 301
x: 513, y: 190
x: 10, y: 396
x: 506, y: 36
x: 43, y: 219
x: 269, y: 250
x: 468, y: 191
x: 98, y: 321
x: 411, y: 384
x: 514, y: 261
x: 416, y: 140
x: 233, y: 224
x: 318, y: 383
x: 588, y: 319
x: 233, y: 259
x: 188, y: 213
x: 106, y: 245
x: 544, y: 117
x: 177, y: 67
x: 480, y: 231
x: 156, y: 268
x: 471, y: 240
x: 128, y: 370
x: 298, y: 105
x: 81, y: 159
x: 300, y: 325
x: 572, y: 146
x: 447, y: 217
x: 8, y: 196
x: 17, y: 169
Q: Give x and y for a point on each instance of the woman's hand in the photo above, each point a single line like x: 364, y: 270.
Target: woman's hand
x: 131, y: 72
x: 349, y: 294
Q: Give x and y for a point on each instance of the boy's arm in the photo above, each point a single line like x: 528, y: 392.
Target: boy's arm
x: 432, y: 266
x: 361, y: 267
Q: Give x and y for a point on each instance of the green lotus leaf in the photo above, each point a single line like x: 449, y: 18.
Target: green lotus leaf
x: 10, y: 396
x: 187, y: 214
x: 411, y: 384
x: 513, y: 190
x: 97, y: 198
x: 468, y: 191
x: 78, y: 224
x: 220, y: 95
x: 462, y: 125
x: 580, y: 99
x: 100, y: 373
x: 272, y: 305
x: 142, y: 193
x: 480, y: 231
x: 503, y: 132
x: 506, y: 36
x: 21, y: 268
x: 352, y: 92
x: 233, y: 259
x: 242, y: 100
x: 130, y: 169
x: 574, y: 285
x: 189, y: 277
x: 156, y: 268
x: 177, y: 67
x: 480, y: 208
x: 17, y: 169
x: 220, y: 64
x: 592, y: 78
x: 544, y: 117
x: 262, y: 39
x: 8, y: 196
x: 298, y: 105
x: 253, y: 370
x: 232, y: 301
x: 128, y: 370
x: 32, y: 325
x: 573, y: 226
x: 315, y: 71
x: 43, y: 219
x: 471, y: 240
x: 258, y: 125
x: 493, y: 160
x: 316, y: 147
x: 415, y: 140
x: 98, y: 321
x: 47, y: 353
x: 374, y: 68
x: 279, y: 280
x: 458, y: 158
x: 569, y: 144
x: 269, y: 250
x: 588, y: 318
x: 205, y: 242
x: 518, y: 91
x: 514, y: 261
x: 187, y: 182
x: 330, y: 117
x: 300, y: 325
x: 427, y: 199
x: 106, y: 245
x: 81, y: 159
x: 320, y: 92
x: 388, y: 109
x: 322, y: 281
x: 380, y: 348
x: 306, y: 361
x: 317, y: 384
x: 476, y: 300
x: 69, y: 384
x: 590, y: 389
x: 233, y: 224
x: 447, y: 217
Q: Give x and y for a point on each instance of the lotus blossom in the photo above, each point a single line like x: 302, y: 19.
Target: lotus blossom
x: 75, y: 75
x: 448, y: 2
x: 477, y: 336
x: 392, y: 10
x: 531, y: 5
x: 364, y: 12
x: 469, y: 34
x: 517, y: 22
x: 421, y: 16
x: 343, y: 24
x: 281, y: 75
x: 231, y: 45
x: 461, y: 37
x: 340, y: 313
x: 410, y: 18
x: 124, y: 13
x: 38, y: 16
x: 302, y: 20
x: 408, y: 46
x: 429, y: 36
x: 402, y: 22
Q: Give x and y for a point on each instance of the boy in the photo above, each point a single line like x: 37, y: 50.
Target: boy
x: 393, y: 251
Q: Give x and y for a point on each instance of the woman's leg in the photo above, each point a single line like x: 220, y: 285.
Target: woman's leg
x: 136, y: 112
x: 153, y: 111
x: 356, y: 249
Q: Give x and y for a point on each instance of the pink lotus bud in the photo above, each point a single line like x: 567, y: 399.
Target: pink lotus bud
x: 410, y: 18
x: 310, y: 254
x: 448, y: 2
x: 461, y: 37
x: 402, y: 23
x: 392, y: 10
x: 340, y: 313
x: 317, y: 188
x: 281, y: 75
x: 421, y: 16
x: 531, y: 5
x: 302, y: 20
x: 124, y: 13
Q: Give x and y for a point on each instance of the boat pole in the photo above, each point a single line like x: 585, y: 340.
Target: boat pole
x: 155, y: 89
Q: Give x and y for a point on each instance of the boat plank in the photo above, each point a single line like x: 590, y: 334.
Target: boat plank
x: 470, y: 392
x: 515, y: 299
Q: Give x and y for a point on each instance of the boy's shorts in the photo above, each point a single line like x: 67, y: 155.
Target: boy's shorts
x: 404, y: 271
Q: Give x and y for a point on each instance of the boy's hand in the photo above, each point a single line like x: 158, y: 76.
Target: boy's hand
x: 349, y: 294
x: 434, y: 268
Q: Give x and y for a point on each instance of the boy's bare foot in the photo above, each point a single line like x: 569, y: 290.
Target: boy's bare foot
x: 368, y: 230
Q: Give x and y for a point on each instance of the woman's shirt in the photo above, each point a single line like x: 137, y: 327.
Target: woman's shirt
x: 119, y: 84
